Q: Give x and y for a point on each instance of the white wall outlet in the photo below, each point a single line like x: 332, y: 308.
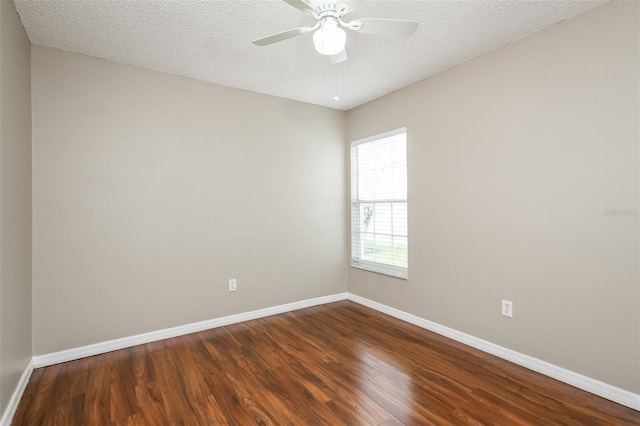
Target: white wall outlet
x: 232, y: 284
x: 507, y: 308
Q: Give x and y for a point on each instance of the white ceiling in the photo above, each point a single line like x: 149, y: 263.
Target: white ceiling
x: 211, y: 40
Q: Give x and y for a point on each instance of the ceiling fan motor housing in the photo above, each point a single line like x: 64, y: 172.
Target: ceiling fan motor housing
x: 334, y: 10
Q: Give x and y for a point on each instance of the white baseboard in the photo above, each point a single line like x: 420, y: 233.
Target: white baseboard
x: 12, y: 406
x: 127, y: 342
x: 588, y: 384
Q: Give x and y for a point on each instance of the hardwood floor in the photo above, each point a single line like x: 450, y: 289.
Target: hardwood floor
x: 333, y: 364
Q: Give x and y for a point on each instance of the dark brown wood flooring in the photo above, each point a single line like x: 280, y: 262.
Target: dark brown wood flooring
x: 328, y: 365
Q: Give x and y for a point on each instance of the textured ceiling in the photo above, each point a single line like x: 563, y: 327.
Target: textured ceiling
x: 211, y: 40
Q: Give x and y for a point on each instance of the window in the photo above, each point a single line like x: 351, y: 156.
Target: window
x: 379, y: 238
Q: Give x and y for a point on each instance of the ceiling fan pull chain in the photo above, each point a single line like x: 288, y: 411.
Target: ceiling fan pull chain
x: 336, y: 97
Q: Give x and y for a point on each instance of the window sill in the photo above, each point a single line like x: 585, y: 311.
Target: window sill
x: 390, y: 271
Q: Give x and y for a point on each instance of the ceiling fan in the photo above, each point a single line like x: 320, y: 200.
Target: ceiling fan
x: 329, y: 37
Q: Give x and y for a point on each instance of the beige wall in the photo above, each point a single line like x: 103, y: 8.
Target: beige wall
x: 15, y: 201
x: 152, y: 190
x: 513, y: 159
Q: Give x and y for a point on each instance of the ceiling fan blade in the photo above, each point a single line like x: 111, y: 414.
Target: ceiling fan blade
x: 344, y: 7
x: 354, y: 4
x: 281, y: 36
x: 301, y: 5
x: 340, y: 57
x: 395, y: 27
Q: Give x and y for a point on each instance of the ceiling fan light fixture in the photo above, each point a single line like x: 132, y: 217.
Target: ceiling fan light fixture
x: 329, y: 39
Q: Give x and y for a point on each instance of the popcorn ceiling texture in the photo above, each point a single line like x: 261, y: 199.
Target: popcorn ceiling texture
x: 211, y: 40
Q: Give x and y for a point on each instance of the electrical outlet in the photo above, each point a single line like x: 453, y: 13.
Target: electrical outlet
x: 232, y: 284
x: 507, y: 308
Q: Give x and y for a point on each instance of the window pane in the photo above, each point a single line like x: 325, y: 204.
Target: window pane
x: 383, y: 249
x: 400, y: 251
x: 400, y: 219
x: 381, y: 171
x: 366, y: 217
x: 383, y: 218
x: 369, y: 247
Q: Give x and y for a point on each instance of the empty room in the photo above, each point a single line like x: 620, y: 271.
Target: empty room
x: 303, y: 212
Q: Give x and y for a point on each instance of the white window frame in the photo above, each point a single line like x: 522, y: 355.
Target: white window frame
x: 377, y: 267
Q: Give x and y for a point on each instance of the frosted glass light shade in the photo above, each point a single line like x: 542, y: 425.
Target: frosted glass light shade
x: 329, y: 39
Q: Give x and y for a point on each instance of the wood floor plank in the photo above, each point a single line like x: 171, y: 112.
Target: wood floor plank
x: 123, y: 384
x: 150, y: 401
x: 141, y: 364
x: 42, y: 405
x: 334, y: 364
x: 403, y: 410
x: 170, y: 382
x: 229, y: 401
x: 98, y: 392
